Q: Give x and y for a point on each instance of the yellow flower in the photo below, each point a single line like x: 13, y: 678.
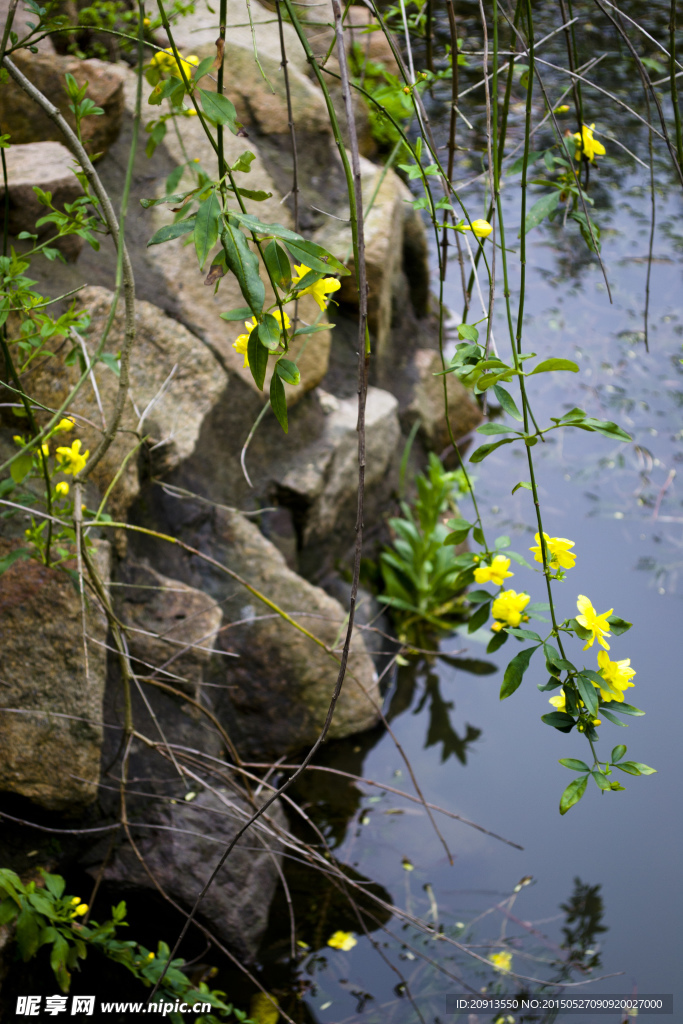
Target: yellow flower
x: 146, y: 22
x: 508, y: 607
x: 496, y: 626
x: 70, y: 460
x: 64, y: 425
x: 75, y: 901
x: 496, y: 572
x: 150, y: 956
x: 164, y: 60
x: 591, y: 146
x: 557, y: 549
x: 481, y: 228
x: 342, y: 940
x: 559, y: 702
x: 80, y: 910
x: 241, y: 344
x: 563, y: 109
x: 617, y: 676
x: 589, y: 619
x: 321, y: 290
x: 502, y: 961
x: 62, y: 489
x: 45, y: 449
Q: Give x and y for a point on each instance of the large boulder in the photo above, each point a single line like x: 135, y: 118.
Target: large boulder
x: 427, y: 405
x: 25, y: 121
x: 172, y: 627
x: 182, y: 851
x: 174, y: 382
x: 50, y: 167
x: 53, y: 682
x: 274, y: 697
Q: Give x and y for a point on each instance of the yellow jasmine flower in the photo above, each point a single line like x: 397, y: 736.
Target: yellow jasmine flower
x: 70, y: 459
x: 591, y: 146
x: 617, y: 676
x: 497, y: 626
x: 321, y: 290
x: 559, y: 702
x: 480, y: 228
x: 64, y: 425
x: 75, y: 901
x: 501, y: 961
x: 589, y: 619
x: 150, y: 956
x: 496, y: 572
x: 146, y: 22
x: 241, y: 344
x: 62, y: 489
x: 508, y: 607
x: 80, y: 910
x: 45, y: 448
x: 342, y: 940
x: 563, y: 109
x: 557, y: 549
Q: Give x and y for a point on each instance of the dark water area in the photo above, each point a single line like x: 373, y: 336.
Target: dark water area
x: 495, y: 762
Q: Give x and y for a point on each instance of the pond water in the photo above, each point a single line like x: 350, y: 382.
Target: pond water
x: 495, y: 762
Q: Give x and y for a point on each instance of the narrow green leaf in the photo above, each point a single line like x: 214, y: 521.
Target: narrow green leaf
x: 288, y: 371
x: 515, y: 672
x: 626, y: 709
x: 481, y: 453
x: 507, y: 402
x: 316, y: 258
x: 604, y: 427
x: 559, y: 720
x: 554, y: 364
x: 478, y: 618
x: 524, y: 634
x: 573, y: 794
x: 574, y: 764
x: 236, y: 314
x: 278, y: 401
x: 206, y: 227
x: 278, y: 265
x: 258, y: 358
x: 496, y: 641
x: 643, y: 768
x: 618, y: 752
x: 245, y: 266
x: 495, y: 428
x: 313, y: 329
x: 203, y: 68
x: 270, y: 333
x: 612, y: 718
x: 541, y: 209
x: 588, y: 693
x: 257, y: 194
x: 219, y: 110
x: 522, y: 483
x: 601, y: 780
x: 170, y: 231
x: 27, y: 934
x: 630, y: 767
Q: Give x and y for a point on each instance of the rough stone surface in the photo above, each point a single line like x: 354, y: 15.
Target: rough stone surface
x: 181, y: 861
x: 51, y: 714
x: 162, y: 347
x: 427, y: 403
x: 166, y: 617
x: 384, y: 245
x: 280, y: 687
x: 49, y: 166
x: 26, y: 122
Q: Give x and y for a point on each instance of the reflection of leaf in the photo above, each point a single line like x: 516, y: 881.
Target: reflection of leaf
x: 440, y: 729
x: 472, y: 665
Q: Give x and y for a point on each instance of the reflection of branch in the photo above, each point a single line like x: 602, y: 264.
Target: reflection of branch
x: 667, y: 483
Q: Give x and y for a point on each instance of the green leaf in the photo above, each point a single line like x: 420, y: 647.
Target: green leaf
x: 541, y: 209
x: 244, y: 162
x: 524, y: 634
x: 604, y: 427
x: 501, y: 542
x: 478, y: 596
x: 203, y: 68
x: 580, y: 630
x: 245, y: 266
x: 278, y: 264
x: 573, y: 794
x: 58, y: 962
x: 480, y: 454
x: 460, y: 528
x: 618, y: 752
x: 559, y: 720
x: 170, y: 231
x: 21, y: 467
x: 515, y: 672
x: 588, y: 693
x: 636, y: 768
x: 219, y: 110
x: 625, y: 709
x: 288, y: 371
x: 618, y: 625
x: 260, y: 228
x: 507, y: 402
x: 478, y: 618
x: 496, y: 641
x: 316, y: 258
x: 258, y: 358
x: 8, y: 911
x: 554, y: 364
x: 278, y: 401
x: 236, y: 314
x: 313, y: 329
x: 601, y: 779
x: 27, y: 934
x: 495, y: 428
x: 612, y: 718
x: 54, y: 884
x: 206, y: 227
x: 257, y: 194
x: 574, y: 765
x: 467, y: 332
x: 522, y: 483
x: 12, y: 557
x: 269, y: 332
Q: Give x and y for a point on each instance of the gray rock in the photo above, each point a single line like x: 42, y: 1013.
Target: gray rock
x: 172, y: 627
x: 279, y: 689
x: 48, y: 166
x: 181, y: 856
x: 427, y: 404
x: 51, y: 714
x: 26, y: 122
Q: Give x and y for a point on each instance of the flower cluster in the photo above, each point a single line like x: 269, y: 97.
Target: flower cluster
x: 241, y: 344
x: 164, y: 60
x: 320, y: 290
